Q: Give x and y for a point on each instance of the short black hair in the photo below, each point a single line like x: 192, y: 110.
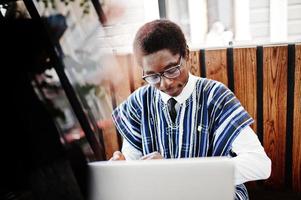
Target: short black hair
x: 158, y: 35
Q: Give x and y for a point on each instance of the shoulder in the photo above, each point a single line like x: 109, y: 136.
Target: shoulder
x: 209, y: 86
x: 141, y: 92
x: 139, y: 96
x: 213, y: 92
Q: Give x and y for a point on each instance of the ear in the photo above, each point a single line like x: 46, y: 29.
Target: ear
x: 138, y: 57
x: 187, y: 52
x: 187, y: 58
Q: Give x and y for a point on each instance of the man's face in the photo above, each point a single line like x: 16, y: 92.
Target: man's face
x: 161, y: 61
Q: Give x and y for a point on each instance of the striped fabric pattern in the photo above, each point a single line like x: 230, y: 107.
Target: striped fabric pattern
x: 206, y: 124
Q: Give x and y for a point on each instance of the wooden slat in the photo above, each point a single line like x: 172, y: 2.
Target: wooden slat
x: 110, y: 137
x: 137, y: 74
x: 216, y: 65
x: 244, y: 67
x: 105, y: 122
x: 274, y: 111
x: 296, y: 162
x: 245, y: 79
x: 130, y: 60
x: 121, y: 80
x: 194, y: 63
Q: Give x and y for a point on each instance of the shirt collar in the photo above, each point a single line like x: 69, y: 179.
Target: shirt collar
x: 186, y: 92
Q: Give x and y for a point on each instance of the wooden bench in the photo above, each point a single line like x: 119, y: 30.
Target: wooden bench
x: 267, y: 81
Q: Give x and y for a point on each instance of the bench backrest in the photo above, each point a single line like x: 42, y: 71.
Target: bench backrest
x: 267, y: 81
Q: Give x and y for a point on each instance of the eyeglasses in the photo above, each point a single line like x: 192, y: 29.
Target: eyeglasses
x: 170, y: 73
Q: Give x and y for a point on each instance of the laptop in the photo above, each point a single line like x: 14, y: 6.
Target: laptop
x: 210, y: 178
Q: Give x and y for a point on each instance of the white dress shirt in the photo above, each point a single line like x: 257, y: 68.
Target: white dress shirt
x: 251, y: 162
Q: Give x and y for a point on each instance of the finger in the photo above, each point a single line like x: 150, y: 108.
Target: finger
x: 151, y: 156
x: 117, y: 155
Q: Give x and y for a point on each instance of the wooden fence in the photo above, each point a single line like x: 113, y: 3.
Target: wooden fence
x: 267, y: 81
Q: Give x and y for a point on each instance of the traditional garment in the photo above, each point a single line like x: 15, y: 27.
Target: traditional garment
x: 207, y: 123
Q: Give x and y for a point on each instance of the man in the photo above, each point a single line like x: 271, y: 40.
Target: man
x: 178, y: 115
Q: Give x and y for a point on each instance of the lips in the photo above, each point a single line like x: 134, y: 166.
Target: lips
x: 172, y: 91
x: 168, y: 90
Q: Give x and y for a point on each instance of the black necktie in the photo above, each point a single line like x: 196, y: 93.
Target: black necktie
x: 172, y: 109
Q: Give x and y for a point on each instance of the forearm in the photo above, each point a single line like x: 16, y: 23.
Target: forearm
x: 251, y: 162
x: 250, y: 167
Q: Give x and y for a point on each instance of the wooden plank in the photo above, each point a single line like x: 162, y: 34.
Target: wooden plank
x: 274, y: 111
x: 296, y: 162
x: 137, y: 73
x: 119, y: 90
x: 245, y: 71
x: 110, y: 137
x: 194, y: 63
x: 216, y: 65
x: 121, y: 79
x: 104, y: 95
x: 129, y: 60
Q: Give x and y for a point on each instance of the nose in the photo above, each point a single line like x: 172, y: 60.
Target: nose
x: 165, y: 83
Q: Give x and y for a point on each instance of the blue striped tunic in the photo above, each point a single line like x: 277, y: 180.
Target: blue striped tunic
x: 206, y: 124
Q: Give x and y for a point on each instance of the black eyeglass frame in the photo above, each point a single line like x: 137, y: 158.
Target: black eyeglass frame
x: 160, y: 74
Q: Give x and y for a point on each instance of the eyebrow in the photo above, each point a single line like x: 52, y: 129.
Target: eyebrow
x: 172, y: 64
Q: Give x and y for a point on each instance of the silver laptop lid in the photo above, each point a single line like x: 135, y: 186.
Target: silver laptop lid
x: 169, y: 179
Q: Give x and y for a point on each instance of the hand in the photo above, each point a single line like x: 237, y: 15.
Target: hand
x: 151, y: 156
x: 117, y: 155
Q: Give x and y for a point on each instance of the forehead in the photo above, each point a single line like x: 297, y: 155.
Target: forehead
x: 159, y: 61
